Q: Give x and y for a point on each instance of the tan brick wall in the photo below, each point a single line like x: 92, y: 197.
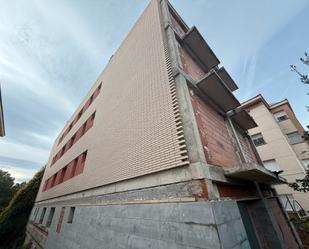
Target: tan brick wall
x: 137, y: 129
x: 291, y: 115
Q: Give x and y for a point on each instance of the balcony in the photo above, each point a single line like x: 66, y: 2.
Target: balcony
x: 214, y: 87
x: 253, y: 172
x: 199, y: 49
x: 244, y: 120
x: 229, y: 82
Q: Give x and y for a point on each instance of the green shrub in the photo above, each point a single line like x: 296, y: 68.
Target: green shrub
x: 14, y: 218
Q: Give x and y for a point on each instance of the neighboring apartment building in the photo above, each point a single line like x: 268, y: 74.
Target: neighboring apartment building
x: 2, y: 131
x: 279, y: 142
x: 157, y: 155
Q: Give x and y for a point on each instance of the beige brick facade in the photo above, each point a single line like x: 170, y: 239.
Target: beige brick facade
x: 137, y: 127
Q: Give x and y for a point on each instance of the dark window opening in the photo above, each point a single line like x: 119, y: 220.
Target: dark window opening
x: 50, y: 217
x: 71, y: 215
x: 42, y: 216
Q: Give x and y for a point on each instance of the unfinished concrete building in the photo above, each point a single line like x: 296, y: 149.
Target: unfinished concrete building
x: 157, y: 155
x: 278, y: 140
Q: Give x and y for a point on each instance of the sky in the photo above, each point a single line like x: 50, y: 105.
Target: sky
x: 51, y: 52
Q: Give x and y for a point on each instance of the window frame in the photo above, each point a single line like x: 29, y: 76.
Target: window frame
x: 278, y: 119
x: 261, y: 137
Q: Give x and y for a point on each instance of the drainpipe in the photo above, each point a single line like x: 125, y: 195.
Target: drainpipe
x: 240, y: 149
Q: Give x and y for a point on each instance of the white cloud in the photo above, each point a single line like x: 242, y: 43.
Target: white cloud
x: 21, y: 151
x: 20, y: 174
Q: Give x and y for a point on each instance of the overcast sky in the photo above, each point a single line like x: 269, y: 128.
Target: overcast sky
x: 51, y: 52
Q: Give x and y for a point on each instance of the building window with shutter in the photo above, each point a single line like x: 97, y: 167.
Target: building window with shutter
x: 281, y: 116
x: 258, y: 139
x: 295, y: 138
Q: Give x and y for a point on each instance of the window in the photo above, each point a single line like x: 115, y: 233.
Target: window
x: 74, y: 167
x: 281, y: 116
x: 45, y: 185
x: 71, y: 215
x: 63, y: 171
x: 84, y: 156
x: 258, y: 139
x: 42, y: 216
x: 35, y: 214
x: 295, y: 138
x: 50, y: 217
x: 71, y: 141
x: 62, y: 151
x: 53, y: 180
x: 80, y: 114
x: 84, y: 128
x: 271, y: 165
x: 91, y: 99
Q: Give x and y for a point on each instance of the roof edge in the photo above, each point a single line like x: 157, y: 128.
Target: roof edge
x: 256, y: 99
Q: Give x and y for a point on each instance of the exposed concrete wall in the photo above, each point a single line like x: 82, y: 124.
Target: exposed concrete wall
x: 230, y: 227
x: 35, y: 236
x: 212, y: 225
x: 183, y: 191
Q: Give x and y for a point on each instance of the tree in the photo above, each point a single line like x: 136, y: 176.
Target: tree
x: 7, y: 188
x: 6, y: 184
x: 303, y: 77
x: 302, y: 185
x: 14, y: 218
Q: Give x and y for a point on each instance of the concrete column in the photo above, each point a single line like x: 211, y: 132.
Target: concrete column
x: 192, y: 137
